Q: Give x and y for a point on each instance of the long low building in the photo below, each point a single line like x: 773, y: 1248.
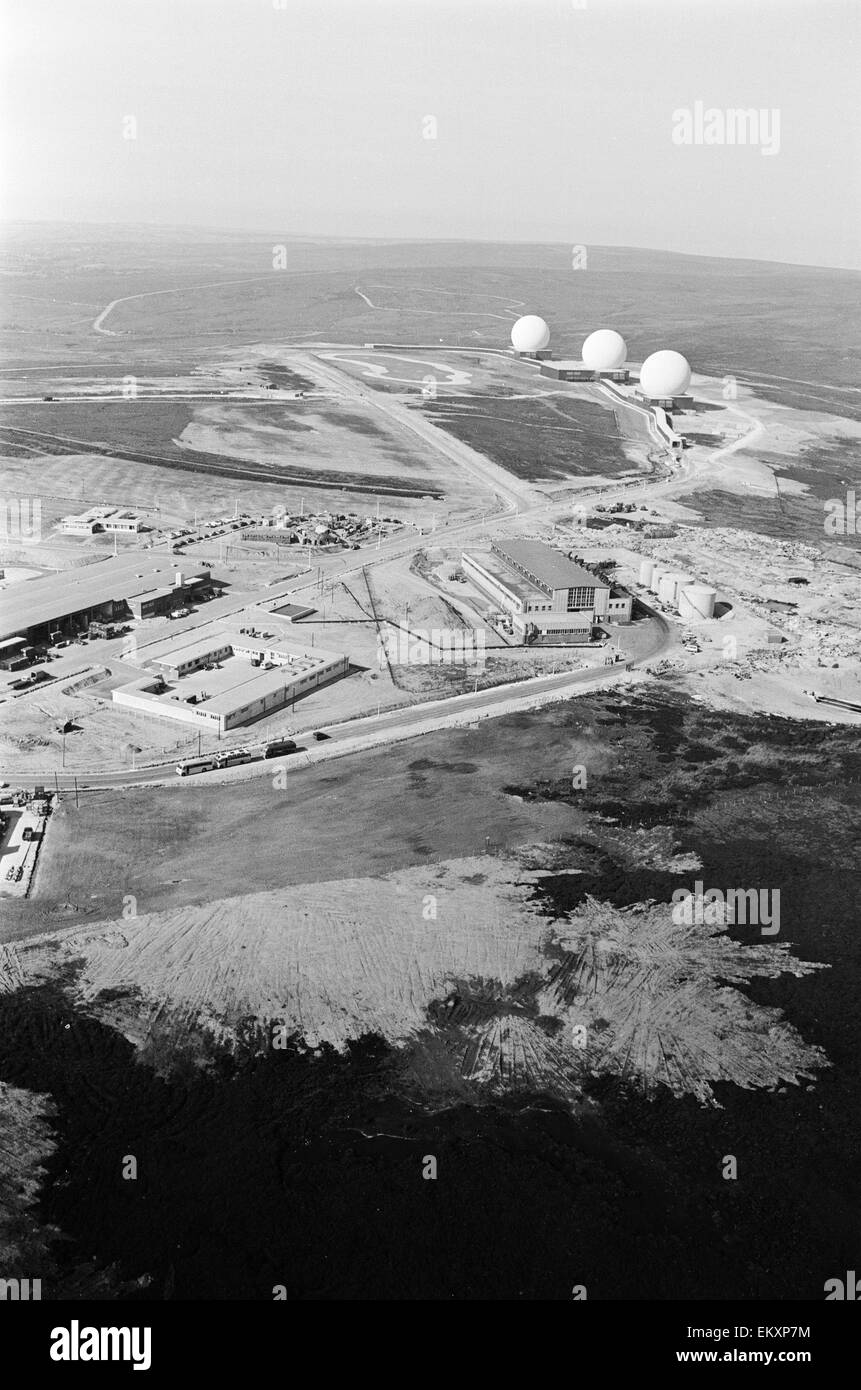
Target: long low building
x: 138, y: 585
x: 578, y: 371
x: 261, y: 678
x: 547, y: 595
x: 101, y: 519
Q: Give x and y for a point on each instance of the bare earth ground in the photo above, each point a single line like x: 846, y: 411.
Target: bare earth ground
x: 334, y: 960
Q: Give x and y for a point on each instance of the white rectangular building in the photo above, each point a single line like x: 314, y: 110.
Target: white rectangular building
x: 246, y: 692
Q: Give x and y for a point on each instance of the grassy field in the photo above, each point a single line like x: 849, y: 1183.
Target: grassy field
x: 545, y: 438
x: 147, y: 432
x: 791, y: 329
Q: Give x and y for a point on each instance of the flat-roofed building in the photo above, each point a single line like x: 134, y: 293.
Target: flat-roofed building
x: 578, y: 371
x: 184, y: 589
x: 547, y: 595
x: 101, y: 520
x: 241, y: 692
x: 101, y: 591
x: 14, y: 653
x: 674, y: 403
x: 194, y: 656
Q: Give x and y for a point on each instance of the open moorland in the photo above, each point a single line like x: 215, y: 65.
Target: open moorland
x: 283, y: 985
x: 425, y: 980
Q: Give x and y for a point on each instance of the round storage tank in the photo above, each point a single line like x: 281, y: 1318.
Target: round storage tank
x: 647, y: 569
x: 654, y: 582
x: 697, y: 603
x: 667, y: 589
x: 681, y: 582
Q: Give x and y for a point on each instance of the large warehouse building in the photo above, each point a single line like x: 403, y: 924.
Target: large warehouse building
x: 548, y: 596
x: 123, y: 586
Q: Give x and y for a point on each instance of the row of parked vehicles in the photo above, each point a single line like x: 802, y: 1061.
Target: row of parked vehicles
x: 211, y: 762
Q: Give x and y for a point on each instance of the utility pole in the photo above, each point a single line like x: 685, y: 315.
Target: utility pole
x: 57, y: 785
x: 76, y: 793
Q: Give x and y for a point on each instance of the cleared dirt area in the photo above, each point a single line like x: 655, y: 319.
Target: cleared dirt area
x: 501, y: 957
x: 457, y: 948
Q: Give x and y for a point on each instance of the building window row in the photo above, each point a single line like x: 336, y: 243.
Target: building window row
x: 580, y: 598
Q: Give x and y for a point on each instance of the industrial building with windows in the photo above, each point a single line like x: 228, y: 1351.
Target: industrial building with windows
x: 229, y: 679
x: 118, y: 587
x: 549, y: 597
x: 101, y: 520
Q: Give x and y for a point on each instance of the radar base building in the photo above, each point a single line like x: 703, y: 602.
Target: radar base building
x: 578, y: 371
x: 674, y: 403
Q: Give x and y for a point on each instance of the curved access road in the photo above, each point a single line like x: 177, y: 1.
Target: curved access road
x: 370, y: 731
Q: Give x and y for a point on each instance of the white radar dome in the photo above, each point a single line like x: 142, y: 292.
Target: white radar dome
x: 530, y: 334
x: 604, y: 351
x: 665, y: 374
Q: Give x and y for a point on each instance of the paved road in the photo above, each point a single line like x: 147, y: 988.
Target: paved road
x: 391, y: 724
x: 512, y: 496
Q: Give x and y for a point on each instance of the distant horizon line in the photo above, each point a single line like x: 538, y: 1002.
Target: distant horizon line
x: 415, y: 240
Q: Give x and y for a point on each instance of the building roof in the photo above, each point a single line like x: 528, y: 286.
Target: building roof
x: 546, y: 566
x: 193, y: 651
x: 302, y: 657
x: 258, y: 685
x: 149, y: 595
x: 52, y: 597
x: 515, y: 583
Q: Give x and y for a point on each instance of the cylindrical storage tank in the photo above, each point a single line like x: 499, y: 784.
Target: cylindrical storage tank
x: 667, y: 589
x: 657, y: 576
x: 647, y: 569
x: 697, y: 603
x: 681, y: 581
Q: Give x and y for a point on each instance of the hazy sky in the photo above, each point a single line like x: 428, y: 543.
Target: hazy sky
x: 554, y: 119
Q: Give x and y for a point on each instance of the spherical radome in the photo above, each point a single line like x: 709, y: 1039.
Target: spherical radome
x: 604, y: 351
x: 530, y: 334
x: 665, y: 373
